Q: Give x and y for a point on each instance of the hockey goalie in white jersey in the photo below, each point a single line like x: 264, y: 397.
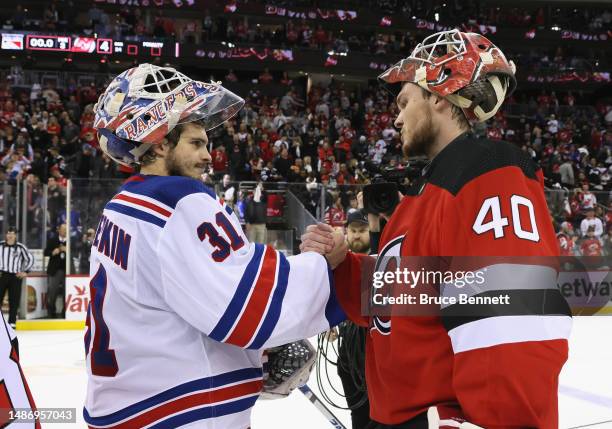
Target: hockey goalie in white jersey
x: 182, y: 305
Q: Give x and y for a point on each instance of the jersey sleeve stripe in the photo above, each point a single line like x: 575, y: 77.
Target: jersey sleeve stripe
x: 203, y: 400
x: 333, y: 311
x: 276, y: 304
x: 205, y: 391
x: 522, y: 302
x: 258, y: 301
x: 207, y: 412
x: 509, y: 329
x: 144, y: 203
x: 231, y: 314
x: 135, y: 213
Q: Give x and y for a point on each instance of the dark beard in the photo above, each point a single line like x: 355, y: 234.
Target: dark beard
x: 422, y: 139
x: 358, y: 246
x: 173, y: 167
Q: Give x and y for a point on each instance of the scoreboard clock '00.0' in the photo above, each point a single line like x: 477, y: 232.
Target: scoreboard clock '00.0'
x: 48, y: 43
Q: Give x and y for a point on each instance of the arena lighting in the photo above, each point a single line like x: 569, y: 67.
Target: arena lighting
x: 555, y: 28
x: 437, y: 17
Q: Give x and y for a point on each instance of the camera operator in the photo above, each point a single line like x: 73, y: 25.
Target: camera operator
x: 497, y: 366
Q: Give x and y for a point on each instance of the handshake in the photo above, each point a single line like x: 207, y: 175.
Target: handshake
x: 322, y: 238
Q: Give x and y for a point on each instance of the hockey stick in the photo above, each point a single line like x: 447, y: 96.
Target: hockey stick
x: 592, y: 424
x: 335, y: 422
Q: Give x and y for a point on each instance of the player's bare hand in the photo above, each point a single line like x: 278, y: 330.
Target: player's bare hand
x: 318, y: 238
x: 339, y: 251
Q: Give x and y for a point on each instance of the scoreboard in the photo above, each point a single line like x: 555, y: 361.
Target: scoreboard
x: 88, y: 45
x: 48, y: 43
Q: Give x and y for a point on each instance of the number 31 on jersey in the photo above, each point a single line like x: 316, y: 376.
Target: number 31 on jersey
x: 497, y: 223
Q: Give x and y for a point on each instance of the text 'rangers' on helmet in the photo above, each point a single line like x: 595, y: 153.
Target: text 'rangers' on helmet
x: 143, y: 104
x: 464, y: 68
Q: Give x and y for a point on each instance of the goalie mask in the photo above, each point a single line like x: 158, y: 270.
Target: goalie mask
x: 143, y: 104
x: 464, y: 68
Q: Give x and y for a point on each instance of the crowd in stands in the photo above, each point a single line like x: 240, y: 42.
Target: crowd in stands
x: 130, y: 22
x: 335, y: 136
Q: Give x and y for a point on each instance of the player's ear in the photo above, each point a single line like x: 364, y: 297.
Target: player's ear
x: 161, y: 150
x: 440, y: 104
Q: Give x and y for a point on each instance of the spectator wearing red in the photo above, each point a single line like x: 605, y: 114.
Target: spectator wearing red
x: 53, y: 126
x: 219, y: 161
x: 89, y: 135
x: 591, y: 246
x: 335, y: 215
x: 566, y: 239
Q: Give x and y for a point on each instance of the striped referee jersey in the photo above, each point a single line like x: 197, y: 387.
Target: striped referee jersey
x: 15, y: 258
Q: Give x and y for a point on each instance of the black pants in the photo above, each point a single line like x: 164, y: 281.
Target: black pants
x: 13, y: 284
x: 348, y: 368
x: 56, y: 286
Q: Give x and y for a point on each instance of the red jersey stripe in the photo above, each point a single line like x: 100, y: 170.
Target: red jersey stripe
x: 194, y: 400
x: 255, y: 308
x: 143, y: 203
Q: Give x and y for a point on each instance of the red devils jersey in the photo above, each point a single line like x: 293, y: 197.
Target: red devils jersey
x: 335, y: 216
x: 591, y: 247
x: 500, y: 365
x: 566, y: 245
x: 14, y: 391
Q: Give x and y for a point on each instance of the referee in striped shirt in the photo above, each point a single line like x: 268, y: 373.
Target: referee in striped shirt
x: 15, y: 262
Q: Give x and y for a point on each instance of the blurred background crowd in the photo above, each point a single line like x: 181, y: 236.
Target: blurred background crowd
x: 318, y: 135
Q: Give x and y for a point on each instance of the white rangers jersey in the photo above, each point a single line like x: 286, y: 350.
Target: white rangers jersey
x: 14, y: 392
x: 182, y: 306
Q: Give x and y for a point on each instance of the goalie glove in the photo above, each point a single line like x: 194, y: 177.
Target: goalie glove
x: 287, y: 367
x: 448, y: 417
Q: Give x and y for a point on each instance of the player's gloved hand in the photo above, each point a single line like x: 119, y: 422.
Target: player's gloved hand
x: 448, y: 417
x: 287, y: 367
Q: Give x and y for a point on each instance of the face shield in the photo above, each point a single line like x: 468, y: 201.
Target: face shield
x: 208, y: 103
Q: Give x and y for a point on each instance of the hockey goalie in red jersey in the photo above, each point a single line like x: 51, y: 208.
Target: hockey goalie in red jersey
x: 499, y: 368
x: 15, y: 394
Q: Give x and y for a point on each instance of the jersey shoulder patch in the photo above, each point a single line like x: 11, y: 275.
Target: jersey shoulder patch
x: 467, y: 158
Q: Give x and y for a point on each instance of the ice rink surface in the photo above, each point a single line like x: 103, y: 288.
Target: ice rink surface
x: 53, y: 362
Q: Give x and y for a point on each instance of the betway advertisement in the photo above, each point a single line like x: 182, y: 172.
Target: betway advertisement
x: 77, y: 297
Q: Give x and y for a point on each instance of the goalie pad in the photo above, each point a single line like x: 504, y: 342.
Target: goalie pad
x: 448, y: 417
x: 287, y: 367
